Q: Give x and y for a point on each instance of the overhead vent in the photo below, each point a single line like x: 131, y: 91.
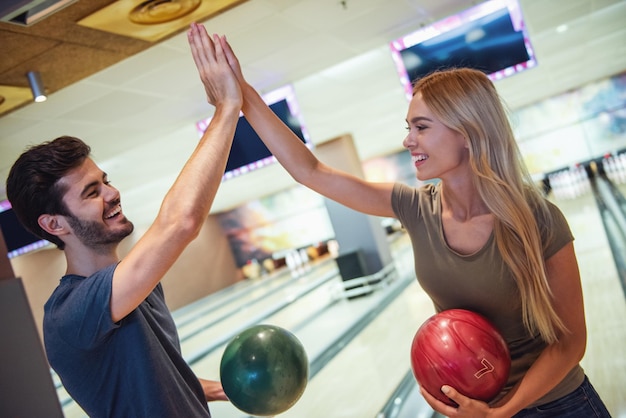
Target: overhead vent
x: 28, y: 12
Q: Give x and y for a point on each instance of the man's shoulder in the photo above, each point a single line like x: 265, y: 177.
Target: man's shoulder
x: 77, y: 294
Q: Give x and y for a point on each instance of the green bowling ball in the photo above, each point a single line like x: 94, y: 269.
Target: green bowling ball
x: 264, y: 370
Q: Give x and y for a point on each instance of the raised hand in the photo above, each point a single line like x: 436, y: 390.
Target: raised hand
x: 232, y: 60
x: 220, y: 82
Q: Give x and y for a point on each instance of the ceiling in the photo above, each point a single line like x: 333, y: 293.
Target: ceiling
x: 136, y: 101
x: 80, y: 38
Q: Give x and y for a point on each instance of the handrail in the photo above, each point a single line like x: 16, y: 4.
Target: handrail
x: 614, y: 221
x: 397, y: 399
x: 618, y: 196
x: 335, y: 346
x: 405, y: 396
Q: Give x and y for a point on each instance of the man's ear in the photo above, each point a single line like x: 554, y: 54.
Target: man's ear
x: 52, y: 224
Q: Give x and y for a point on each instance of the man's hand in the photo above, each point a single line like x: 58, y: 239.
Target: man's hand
x: 213, y: 390
x: 220, y: 83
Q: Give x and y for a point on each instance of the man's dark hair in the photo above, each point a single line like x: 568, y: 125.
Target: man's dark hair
x: 33, y: 183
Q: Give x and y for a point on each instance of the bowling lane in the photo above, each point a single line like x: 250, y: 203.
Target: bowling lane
x: 259, y: 294
x: 301, y: 300
x: 381, y: 343
x: 605, y: 305
x: 233, y: 294
x: 360, y: 379
x: 316, y: 336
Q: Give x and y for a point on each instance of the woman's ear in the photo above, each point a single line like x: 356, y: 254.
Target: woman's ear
x: 52, y: 224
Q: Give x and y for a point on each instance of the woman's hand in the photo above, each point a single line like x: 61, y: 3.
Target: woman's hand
x: 467, y: 407
x: 233, y: 61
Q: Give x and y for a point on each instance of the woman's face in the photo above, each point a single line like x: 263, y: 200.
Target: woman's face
x: 436, y: 150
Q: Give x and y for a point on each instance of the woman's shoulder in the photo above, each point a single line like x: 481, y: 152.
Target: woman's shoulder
x: 553, y: 226
x: 428, y: 190
x: 412, y: 202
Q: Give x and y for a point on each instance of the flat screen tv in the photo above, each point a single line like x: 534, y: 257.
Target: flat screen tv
x: 490, y: 37
x: 248, y: 151
x: 18, y: 240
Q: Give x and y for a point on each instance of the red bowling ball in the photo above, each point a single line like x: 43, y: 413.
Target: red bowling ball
x: 461, y: 349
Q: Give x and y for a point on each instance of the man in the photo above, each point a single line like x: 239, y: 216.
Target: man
x: 107, y: 331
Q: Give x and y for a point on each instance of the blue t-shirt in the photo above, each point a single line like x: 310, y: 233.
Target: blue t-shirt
x: 132, y: 368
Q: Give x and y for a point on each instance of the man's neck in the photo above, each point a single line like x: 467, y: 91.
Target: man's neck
x: 85, y: 261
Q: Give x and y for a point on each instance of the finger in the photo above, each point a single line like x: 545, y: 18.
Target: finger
x: 219, y: 51
x: 202, y: 46
x: 233, y: 62
x: 436, y: 404
x: 207, y: 43
x: 453, y: 394
x: 228, y: 51
x: 195, y: 43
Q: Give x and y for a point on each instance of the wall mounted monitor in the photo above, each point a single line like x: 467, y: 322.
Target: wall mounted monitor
x: 490, y: 37
x: 248, y: 152
x: 18, y: 240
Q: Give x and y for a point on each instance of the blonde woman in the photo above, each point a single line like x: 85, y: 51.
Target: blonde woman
x: 484, y: 238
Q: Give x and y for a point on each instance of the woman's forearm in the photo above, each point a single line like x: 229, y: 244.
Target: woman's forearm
x: 288, y: 149
x: 550, y: 368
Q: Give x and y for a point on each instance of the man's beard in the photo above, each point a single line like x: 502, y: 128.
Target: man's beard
x: 95, y: 235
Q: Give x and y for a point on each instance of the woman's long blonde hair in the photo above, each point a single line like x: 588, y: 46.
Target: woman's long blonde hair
x: 466, y: 101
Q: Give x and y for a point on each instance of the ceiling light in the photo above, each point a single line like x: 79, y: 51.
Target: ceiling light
x: 29, y: 12
x: 36, y: 86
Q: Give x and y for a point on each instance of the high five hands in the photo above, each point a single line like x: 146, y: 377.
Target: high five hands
x: 220, y: 82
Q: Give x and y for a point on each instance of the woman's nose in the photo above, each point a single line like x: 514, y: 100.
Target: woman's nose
x: 407, y: 142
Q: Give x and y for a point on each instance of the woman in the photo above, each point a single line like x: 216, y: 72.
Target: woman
x: 484, y: 238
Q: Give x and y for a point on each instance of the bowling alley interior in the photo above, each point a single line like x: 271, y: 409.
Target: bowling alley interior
x: 338, y: 73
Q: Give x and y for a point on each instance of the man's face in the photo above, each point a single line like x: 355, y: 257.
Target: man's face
x: 96, y: 216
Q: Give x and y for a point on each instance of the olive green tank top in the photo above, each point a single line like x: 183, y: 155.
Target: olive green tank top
x: 480, y: 282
